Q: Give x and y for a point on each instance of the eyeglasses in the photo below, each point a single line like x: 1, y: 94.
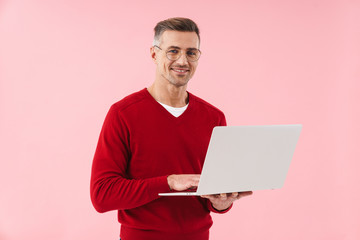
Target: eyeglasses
x: 174, y: 53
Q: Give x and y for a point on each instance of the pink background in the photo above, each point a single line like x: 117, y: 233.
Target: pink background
x: 63, y: 63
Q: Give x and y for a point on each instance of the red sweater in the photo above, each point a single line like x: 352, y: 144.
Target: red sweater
x: 140, y: 144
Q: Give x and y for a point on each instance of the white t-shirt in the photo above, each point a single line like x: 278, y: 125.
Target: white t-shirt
x: 174, y: 111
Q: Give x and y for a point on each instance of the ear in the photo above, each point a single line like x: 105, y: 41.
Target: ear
x: 153, y: 54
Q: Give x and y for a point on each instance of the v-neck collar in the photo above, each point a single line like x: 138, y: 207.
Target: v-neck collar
x: 166, y: 112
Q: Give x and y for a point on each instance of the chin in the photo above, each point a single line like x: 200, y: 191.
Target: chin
x: 178, y: 83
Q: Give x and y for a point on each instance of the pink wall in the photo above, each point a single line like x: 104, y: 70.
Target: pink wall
x: 63, y: 63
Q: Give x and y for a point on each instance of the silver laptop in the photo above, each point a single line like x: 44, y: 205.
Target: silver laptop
x: 246, y: 158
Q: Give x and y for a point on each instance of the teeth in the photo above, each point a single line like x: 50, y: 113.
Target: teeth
x: 178, y: 70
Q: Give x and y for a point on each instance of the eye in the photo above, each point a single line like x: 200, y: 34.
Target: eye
x: 173, y: 51
x: 191, y: 53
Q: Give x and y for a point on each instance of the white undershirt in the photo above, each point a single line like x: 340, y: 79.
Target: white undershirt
x: 173, y: 110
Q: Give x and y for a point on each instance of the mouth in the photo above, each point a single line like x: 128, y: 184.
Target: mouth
x: 180, y: 70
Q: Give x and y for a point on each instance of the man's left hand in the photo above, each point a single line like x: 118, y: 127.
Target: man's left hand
x: 224, y: 200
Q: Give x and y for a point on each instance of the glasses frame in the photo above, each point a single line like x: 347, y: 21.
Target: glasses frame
x: 179, y: 55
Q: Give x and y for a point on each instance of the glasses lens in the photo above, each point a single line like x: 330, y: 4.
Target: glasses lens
x: 193, y: 55
x: 173, y: 54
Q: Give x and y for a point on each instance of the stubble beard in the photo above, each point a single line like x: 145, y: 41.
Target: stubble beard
x: 177, y: 82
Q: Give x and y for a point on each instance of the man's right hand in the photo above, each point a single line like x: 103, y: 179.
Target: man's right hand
x: 183, y: 182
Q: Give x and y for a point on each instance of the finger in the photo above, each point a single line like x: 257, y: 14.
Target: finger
x: 234, y: 194
x: 194, y: 183
x: 195, y: 176
x: 206, y: 196
x: 243, y: 194
x: 195, y: 179
x: 210, y: 197
x: 223, y: 195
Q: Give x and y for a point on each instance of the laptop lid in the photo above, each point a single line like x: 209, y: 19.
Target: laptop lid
x: 247, y: 158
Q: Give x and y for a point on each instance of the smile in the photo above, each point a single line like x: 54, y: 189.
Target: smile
x: 180, y: 70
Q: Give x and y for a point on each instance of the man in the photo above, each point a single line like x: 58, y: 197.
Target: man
x: 155, y: 140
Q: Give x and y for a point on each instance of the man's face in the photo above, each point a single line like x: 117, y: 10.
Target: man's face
x: 176, y: 72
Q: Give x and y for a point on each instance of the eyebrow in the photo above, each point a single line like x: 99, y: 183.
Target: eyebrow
x: 176, y: 47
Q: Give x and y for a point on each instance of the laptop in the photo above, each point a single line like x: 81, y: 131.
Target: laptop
x: 246, y: 158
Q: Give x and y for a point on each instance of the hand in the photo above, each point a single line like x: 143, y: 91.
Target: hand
x: 183, y: 182
x: 224, y: 200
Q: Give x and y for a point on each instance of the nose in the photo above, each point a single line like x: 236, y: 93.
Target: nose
x: 182, y: 59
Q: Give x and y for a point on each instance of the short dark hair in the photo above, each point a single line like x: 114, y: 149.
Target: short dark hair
x: 175, y: 24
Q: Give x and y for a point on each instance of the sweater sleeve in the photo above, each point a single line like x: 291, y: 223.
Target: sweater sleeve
x: 222, y: 120
x: 110, y: 189
x: 212, y: 209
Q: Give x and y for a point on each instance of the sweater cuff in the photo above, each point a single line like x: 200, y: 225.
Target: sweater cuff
x: 158, y: 185
x: 212, y: 209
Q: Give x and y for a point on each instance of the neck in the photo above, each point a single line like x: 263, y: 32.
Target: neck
x: 169, y: 94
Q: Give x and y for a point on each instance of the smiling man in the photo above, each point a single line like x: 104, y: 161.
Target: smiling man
x: 155, y: 140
